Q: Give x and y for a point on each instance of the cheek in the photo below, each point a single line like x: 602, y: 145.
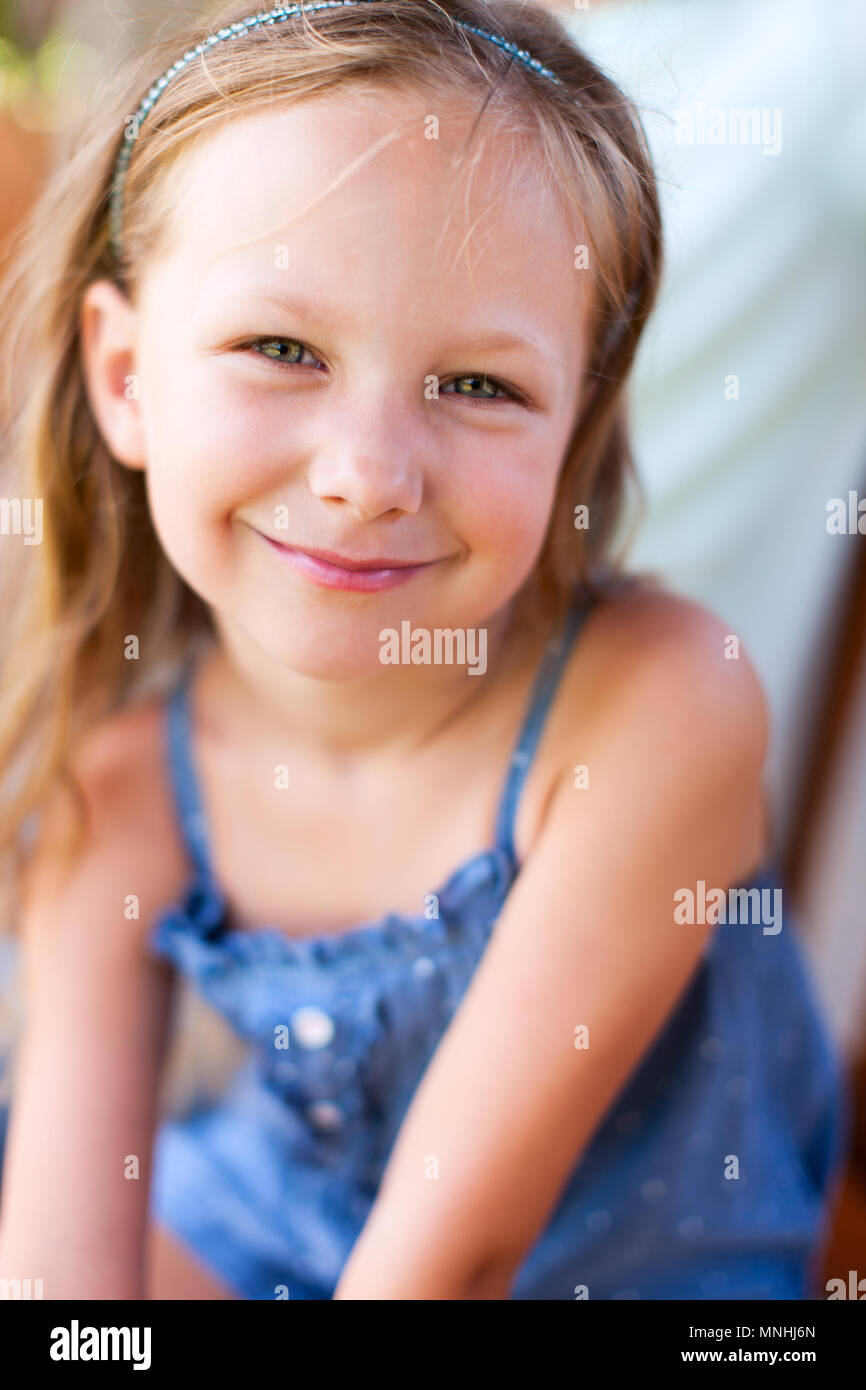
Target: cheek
x: 208, y: 454
x: 187, y: 479
x: 503, y: 505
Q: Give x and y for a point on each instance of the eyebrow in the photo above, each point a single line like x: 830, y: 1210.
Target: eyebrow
x: 493, y: 340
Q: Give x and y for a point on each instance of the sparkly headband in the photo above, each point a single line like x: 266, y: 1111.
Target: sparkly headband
x: 256, y: 21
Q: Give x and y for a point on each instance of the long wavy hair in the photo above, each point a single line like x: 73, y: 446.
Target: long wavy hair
x: 99, y: 573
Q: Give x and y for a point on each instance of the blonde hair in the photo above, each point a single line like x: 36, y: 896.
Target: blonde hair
x: 100, y: 572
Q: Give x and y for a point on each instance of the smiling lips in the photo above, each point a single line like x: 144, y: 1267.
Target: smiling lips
x: 333, y: 571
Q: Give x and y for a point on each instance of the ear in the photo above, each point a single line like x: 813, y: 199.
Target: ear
x: 107, y: 325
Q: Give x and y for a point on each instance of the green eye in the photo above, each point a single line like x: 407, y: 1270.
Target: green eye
x: 476, y: 383
x: 484, y: 389
x: 481, y: 388
x: 280, y: 349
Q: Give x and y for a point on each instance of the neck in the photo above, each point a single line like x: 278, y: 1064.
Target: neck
x: 392, y: 712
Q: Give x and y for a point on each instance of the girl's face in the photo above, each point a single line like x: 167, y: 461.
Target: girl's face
x: 350, y: 345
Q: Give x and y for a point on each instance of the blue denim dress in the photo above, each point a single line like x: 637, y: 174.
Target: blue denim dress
x: 270, y: 1185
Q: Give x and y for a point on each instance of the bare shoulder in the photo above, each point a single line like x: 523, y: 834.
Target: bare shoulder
x: 128, y: 848
x: 662, y: 715
x: 662, y: 705
x: 656, y: 666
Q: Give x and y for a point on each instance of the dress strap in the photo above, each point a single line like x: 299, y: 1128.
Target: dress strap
x: 549, y: 673
x: 184, y: 781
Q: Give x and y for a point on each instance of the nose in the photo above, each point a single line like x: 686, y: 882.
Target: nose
x: 370, y: 457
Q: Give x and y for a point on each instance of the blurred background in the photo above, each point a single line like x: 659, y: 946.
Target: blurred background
x: 748, y: 399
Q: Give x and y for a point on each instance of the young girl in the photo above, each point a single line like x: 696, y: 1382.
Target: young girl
x: 322, y: 692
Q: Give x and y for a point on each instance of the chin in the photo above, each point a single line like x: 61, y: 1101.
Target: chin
x: 303, y: 647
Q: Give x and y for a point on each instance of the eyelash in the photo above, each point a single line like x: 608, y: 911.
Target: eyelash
x: 509, y: 392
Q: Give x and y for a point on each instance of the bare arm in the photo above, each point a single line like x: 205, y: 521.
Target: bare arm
x: 586, y: 937
x: 76, y: 1173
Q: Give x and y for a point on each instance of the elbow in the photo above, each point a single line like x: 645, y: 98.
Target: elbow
x: 492, y: 1281
x: 488, y: 1281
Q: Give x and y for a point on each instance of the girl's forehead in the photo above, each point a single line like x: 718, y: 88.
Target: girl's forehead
x: 353, y: 202
x: 407, y: 168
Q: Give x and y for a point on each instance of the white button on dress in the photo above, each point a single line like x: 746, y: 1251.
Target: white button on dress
x: 312, y: 1026
x: 324, y: 1114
